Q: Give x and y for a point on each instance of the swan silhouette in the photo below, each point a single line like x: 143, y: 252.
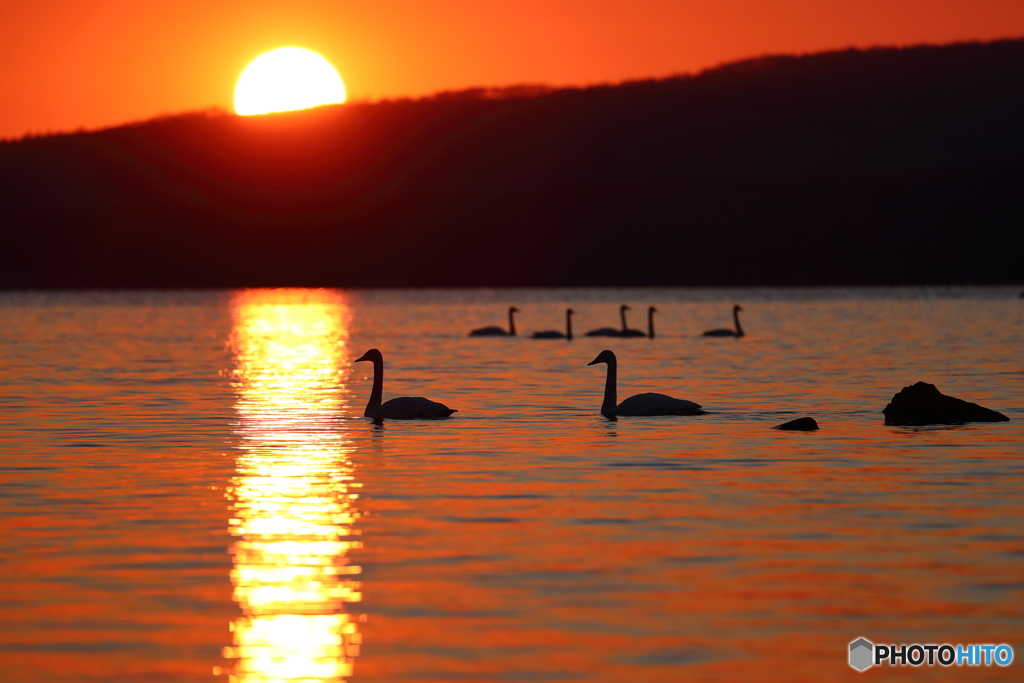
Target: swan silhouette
x: 645, y: 405
x: 651, y: 310
x: 495, y: 331
x: 555, y: 334
x: 404, y: 408
x: 725, y: 331
x: 614, y: 332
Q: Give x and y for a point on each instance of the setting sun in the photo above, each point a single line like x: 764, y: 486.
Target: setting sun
x: 285, y: 79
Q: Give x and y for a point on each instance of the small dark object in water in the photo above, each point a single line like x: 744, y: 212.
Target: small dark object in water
x: 924, y: 404
x: 801, y: 424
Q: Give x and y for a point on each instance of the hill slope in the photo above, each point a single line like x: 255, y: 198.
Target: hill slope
x: 855, y: 167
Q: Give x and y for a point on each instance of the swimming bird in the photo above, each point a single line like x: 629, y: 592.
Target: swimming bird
x: 404, y: 408
x: 555, y: 334
x: 611, y: 331
x: 650, y: 326
x: 725, y: 331
x: 495, y: 331
x: 642, y: 404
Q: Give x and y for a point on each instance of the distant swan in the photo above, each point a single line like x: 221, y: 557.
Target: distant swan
x: 495, y: 331
x: 611, y: 331
x: 555, y: 334
x: 641, y: 404
x: 404, y: 408
x: 637, y: 333
x: 725, y: 331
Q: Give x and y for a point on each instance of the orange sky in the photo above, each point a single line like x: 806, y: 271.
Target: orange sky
x: 66, y: 64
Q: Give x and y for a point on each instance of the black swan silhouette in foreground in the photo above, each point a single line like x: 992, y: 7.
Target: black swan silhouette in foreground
x: 495, y: 331
x: 642, y: 404
x: 555, y: 334
x: 404, y: 408
x: 613, y: 332
x: 725, y: 331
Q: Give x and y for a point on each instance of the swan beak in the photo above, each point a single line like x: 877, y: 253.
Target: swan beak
x: 595, y: 361
x: 362, y: 357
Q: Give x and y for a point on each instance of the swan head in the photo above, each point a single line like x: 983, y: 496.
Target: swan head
x: 605, y: 356
x: 513, y: 309
x: 652, y: 309
x: 372, y: 354
x: 624, y: 307
x: 737, y: 307
x: 569, y: 311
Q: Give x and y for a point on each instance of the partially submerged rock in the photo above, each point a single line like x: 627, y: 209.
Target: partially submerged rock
x: 801, y: 424
x: 924, y: 404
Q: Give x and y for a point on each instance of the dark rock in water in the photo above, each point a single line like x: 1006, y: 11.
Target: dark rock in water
x: 924, y: 404
x: 801, y: 424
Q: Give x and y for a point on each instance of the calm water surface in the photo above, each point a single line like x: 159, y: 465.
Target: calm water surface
x: 189, y: 492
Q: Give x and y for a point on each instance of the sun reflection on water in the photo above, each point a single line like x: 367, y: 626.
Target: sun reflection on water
x: 294, y: 495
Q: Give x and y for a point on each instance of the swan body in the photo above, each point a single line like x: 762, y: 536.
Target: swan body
x: 403, y: 408
x: 495, y: 331
x: 555, y: 334
x: 641, y: 405
x: 725, y: 331
x: 612, y: 331
x: 411, y: 408
x: 650, y: 404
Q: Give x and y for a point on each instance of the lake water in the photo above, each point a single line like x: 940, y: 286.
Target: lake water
x: 189, y: 491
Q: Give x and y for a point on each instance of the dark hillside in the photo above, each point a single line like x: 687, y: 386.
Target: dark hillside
x: 855, y: 167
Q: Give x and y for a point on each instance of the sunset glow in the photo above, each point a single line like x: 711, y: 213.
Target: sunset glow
x: 621, y: 341
x: 285, y: 79
x: 68, y: 66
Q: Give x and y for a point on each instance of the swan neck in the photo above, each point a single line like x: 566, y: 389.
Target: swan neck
x: 622, y: 314
x: 610, y: 399
x: 511, y: 323
x: 378, y: 388
x: 650, y: 324
x: 736, y: 320
x: 568, y: 324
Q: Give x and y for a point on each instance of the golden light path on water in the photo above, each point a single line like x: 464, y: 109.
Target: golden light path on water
x: 294, y: 496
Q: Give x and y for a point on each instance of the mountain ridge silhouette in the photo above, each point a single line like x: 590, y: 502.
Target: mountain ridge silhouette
x: 882, y: 166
